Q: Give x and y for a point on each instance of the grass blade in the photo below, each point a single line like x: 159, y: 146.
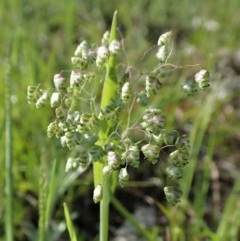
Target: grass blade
x: 70, y: 227
x: 229, y: 223
x: 8, y: 153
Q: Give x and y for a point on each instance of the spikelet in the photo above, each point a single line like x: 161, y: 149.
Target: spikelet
x: 151, y: 152
x: 173, y: 194
x: 123, y: 177
x: 202, y: 79
x: 97, y: 194
x: 126, y: 92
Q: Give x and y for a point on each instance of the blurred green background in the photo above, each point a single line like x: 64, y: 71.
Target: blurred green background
x: 41, y: 37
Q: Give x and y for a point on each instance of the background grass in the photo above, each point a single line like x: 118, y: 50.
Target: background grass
x: 43, y: 36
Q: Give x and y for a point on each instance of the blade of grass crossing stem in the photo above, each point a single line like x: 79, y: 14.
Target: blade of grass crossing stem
x: 8, y: 153
x: 70, y: 227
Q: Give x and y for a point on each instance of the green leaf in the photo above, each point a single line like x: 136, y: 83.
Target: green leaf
x: 70, y: 227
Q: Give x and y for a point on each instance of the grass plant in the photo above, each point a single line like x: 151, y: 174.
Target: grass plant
x: 101, y: 137
x: 44, y: 34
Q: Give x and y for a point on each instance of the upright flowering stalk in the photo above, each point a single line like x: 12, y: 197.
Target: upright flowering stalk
x: 97, y: 134
x: 108, y: 96
x: 102, y: 173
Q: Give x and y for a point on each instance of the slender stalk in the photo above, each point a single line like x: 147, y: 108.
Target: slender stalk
x: 8, y: 161
x: 104, y: 205
x: 104, y: 214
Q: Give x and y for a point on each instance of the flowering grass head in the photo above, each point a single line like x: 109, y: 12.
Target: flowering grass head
x: 96, y: 133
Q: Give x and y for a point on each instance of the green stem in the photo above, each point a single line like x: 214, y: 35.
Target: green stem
x: 104, y: 214
x: 104, y: 204
x: 8, y: 162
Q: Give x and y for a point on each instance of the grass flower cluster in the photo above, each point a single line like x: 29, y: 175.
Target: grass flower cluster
x: 91, y: 103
